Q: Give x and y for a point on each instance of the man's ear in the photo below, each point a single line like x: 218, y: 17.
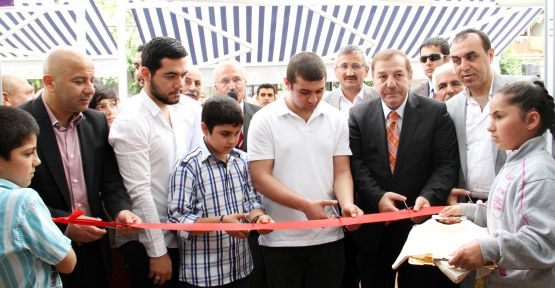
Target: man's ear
x: 48, y: 80
x: 287, y: 84
x: 6, y: 99
x: 204, y: 129
x: 145, y: 73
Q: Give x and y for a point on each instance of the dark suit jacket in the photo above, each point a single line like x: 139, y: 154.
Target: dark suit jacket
x: 248, y: 111
x: 427, y: 158
x: 103, y: 181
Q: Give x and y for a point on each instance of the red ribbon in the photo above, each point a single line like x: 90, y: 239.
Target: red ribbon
x: 293, y: 225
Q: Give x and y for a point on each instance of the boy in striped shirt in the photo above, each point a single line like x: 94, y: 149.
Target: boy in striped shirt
x: 212, y: 185
x: 31, y: 243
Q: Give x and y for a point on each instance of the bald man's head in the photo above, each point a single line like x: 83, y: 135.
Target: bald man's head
x: 16, y: 90
x: 230, y: 76
x: 68, y: 81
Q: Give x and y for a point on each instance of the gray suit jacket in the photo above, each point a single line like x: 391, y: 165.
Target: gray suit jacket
x: 422, y: 90
x: 456, y: 107
x: 333, y: 98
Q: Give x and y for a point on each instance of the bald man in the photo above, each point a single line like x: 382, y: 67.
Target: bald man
x: 231, y: 76
x: 192, y: 85
x: 78, y: 170
x: 16, y: 90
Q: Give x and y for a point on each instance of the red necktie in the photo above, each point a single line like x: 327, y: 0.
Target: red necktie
x: 240, y: 142
x: 392, y: 138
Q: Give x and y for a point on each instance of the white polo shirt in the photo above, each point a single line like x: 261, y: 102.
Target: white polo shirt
x: 303, y: 162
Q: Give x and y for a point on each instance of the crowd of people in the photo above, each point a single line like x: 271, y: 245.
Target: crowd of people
x: 468, y: 137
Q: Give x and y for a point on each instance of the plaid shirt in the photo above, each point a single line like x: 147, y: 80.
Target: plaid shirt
x: 203, y: 186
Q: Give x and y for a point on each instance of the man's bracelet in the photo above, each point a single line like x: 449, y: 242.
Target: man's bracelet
x: 222, y: 219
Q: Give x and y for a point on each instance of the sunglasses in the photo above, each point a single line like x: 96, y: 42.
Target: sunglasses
x: 433, y: 57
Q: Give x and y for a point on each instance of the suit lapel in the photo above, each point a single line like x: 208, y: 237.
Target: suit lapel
x: 376, y: 122
x: 86, y: 136
x: 460, y: 127
x: 49, y: 150
x: 410, y: 119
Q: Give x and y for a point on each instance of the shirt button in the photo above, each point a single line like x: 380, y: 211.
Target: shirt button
x: 74, y: 180
x: 71, y: 156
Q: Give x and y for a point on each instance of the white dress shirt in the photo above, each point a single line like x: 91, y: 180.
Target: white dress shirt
x: 400, y: 111
x: 345, y: 105
x: 146, y: 149
x: 479, y: 149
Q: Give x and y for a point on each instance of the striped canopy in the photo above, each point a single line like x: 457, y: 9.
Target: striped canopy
x: 260, y: 34
x: 31, y: 28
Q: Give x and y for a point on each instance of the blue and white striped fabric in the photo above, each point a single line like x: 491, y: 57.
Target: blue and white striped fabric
x: 32, y: 28
x: 203, y: 186
x: 30, y: 242
x: 258, y: 33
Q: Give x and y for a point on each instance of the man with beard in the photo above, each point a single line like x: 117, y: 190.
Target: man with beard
x: 350, y: 70
x: 148, y: 136
x: 192, y: 86
x: 78, y: 168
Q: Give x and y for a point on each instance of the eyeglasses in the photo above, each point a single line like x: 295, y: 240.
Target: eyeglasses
x: 226, y: 81
x: 345, y: 66
x: 432, y: 57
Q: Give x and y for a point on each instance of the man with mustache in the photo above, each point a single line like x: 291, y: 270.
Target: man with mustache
x: 350, y: 70
x: 446, y: 82
x: 434, y: 52
x: 404, y: 154
x: 79, y: 170
x: 148, y: 136
x: 472, y: 57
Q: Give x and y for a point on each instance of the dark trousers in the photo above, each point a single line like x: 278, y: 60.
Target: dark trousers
x: 350, y: 274
x: 319, y: 266
x: 241, y: 283
x: 138, y: 264
x: 258, y: 274
x: 91, y: 270
x: 375, y: 268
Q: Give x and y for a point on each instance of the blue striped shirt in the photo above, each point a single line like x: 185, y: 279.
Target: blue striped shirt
x: 203, y: 186
x: 30, y: 242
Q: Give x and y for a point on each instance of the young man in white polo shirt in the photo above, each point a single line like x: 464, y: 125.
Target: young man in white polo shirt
x: 299, y: 159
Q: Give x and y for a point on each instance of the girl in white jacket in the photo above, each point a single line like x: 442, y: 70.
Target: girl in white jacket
x: 520, y: 212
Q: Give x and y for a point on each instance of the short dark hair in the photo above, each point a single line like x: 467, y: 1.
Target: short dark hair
x: 438, y: 42
x: 307, y: 65
x: 266, y: 86
x: 220, y: 111
x: 531, y: 96
x: 102, y: 92
x: 140, y: 48
x: 387, y: 54
x: 159, y: 48
x: 486, y: 43
x: 17, y: 126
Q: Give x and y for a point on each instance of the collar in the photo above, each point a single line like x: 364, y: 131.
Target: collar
x: 360, y: 94
x: 283, y: 109
x: 206, y: 153
x: 8, y: 184
x: 400, y: 110
x: 150, y: 105
x: 73, y: 121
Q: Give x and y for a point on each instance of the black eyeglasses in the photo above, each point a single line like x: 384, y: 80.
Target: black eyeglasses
x: 433, y: 57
